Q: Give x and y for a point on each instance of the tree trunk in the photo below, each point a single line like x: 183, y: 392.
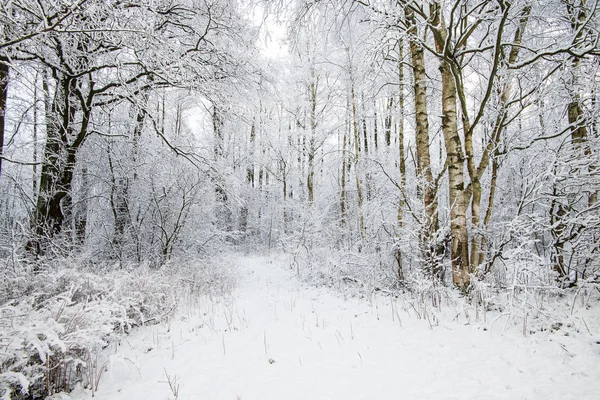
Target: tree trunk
x: 488, y: 212
x: 82, y: 210
x: 454, y: 161
x: 284, y: 196
x: 427, y: 184
x: 140, y: 118
x: 250, y: 181
x: 563, y: 208
x: 223, y: 213
x: 401, y: 161
x: 343, y: 205
x: 388, y: 120
x: 578, y: 15
x: 119, y: 196
x: 4, y: 72
x: 375, y: 129
x: 35, y: 139
x: 356, y: 134
x: 54, y: 203
x: 364, y: 124
x: 456, y: 184
x: 489, y: 152
x: 310, y: 178
x: 359, y: 194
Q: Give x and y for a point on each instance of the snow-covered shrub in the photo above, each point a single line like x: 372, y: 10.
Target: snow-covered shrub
x: 53, y: 322
x: 367, y: 269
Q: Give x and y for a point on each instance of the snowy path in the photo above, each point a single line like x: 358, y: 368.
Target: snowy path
x: 276, y: 339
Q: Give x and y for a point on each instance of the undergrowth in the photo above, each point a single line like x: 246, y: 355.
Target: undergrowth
x: 507, y: 299
x: 55, y: 320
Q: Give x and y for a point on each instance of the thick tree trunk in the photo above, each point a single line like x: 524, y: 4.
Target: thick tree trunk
x: 82, y: 210
x: 67, y: 124
x: 563, y: 207
x: 578, y: 14
x: 54, y: 203
x: 454, y: 161
x: 427, y: 186
x: 579, y: 131
x: 456, y: 184
x: 55, y: 188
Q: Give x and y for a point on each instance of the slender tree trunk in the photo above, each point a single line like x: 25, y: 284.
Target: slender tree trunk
x: 120, y: 209
x: 35, y: 139
x: 375, y: 129
x: 364, y: 124
x: 359, y: 193
x: 4, y: 72
x: 140, y: 118
x: 343, y: 205
x: 366, y: 141
x: 388, y: 120
x: 310, y: 179
x: 223, y: 213
x: 489, y: 152
x: 558, y: 211
x: 488, y: 211
x: 250, y: 168
x: 284, y: 196
x: 250, y: 181
x: 356, y: 134
x: 401, y: 161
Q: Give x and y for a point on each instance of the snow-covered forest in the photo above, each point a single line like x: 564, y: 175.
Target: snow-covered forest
x: 327, y: 194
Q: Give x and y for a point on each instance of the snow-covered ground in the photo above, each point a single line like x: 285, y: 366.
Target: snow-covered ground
x: 275, y: 338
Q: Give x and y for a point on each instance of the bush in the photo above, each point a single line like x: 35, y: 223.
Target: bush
x: 54, y: 322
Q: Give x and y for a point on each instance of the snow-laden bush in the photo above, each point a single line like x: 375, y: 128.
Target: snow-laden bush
x: 53, y: 322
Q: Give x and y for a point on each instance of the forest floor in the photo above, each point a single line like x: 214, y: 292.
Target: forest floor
x: 275, y: 337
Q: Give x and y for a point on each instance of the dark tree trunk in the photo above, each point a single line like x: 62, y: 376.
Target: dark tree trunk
x: 54, y: 203
x: 82, y: 209
x: 223, y: 213
x: 4, y: 71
